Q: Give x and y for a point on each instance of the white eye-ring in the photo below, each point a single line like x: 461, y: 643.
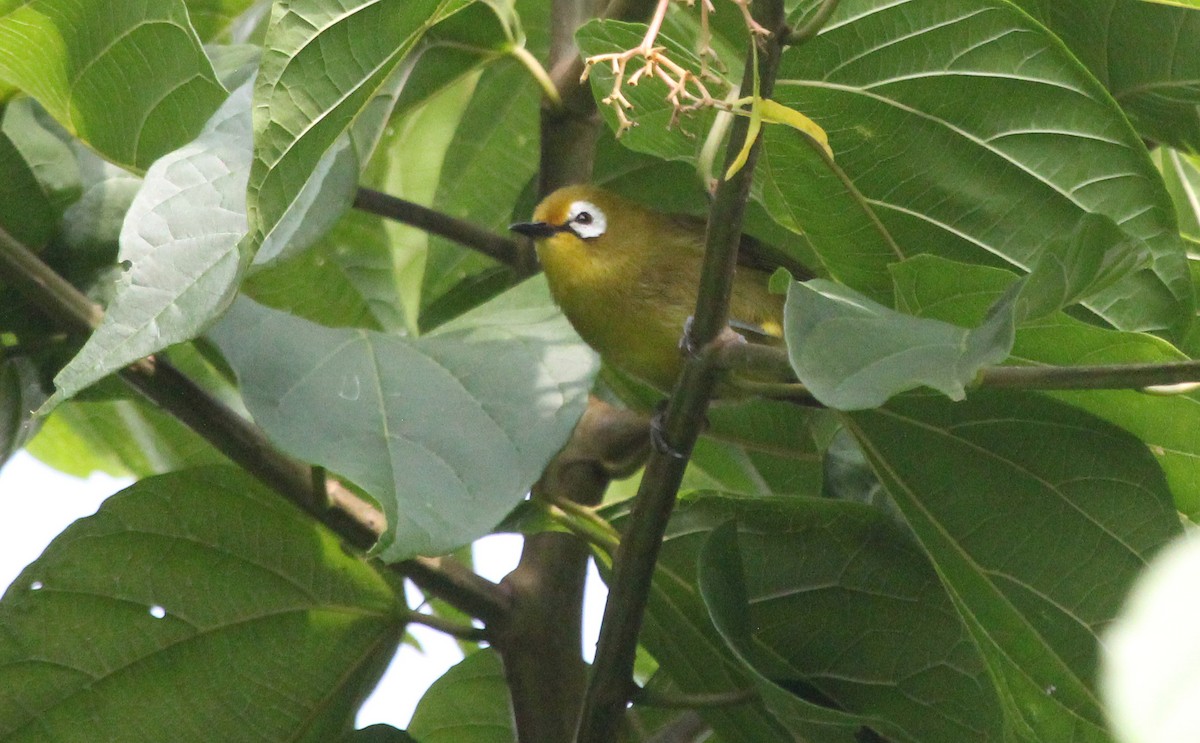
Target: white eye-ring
x: 586, y: 220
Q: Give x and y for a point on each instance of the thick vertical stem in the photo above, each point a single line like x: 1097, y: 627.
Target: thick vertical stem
x: 633, y: 567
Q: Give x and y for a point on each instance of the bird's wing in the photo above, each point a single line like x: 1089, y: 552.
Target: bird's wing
x: 752, y: 252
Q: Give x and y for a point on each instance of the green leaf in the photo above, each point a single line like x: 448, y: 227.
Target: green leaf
x: 201, y: 581
x: 379, y: 733
x: 493, y: 155
x: 77, y: 59
x: 179, y: 248
x: 350, y: 269
x: 679, y: 634
x: 756, y: 447
x: 1149, y: 675
x: 444, y: 714
x: 407, y: 164
x: 114, y: 430
x: 1182, y: 175
x: 459, y: 421
x: 212, y: 18
x: 1143, y: 52
x: 970, y: 133
x: 836, y: 600
x: 118, y: 437
x: 852, y: 353
x: 91, y: 227
x: 324, y: 63
x: 448, y: 52
x: 1037, y: 518
x: 954, y: 292
x: 39, y: 176
x: 1096, y: 255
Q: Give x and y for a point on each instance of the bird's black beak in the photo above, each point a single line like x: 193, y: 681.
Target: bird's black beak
x: 533, y: 229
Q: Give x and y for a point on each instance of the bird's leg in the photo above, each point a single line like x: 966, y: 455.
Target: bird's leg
x: 690, y: 348
x: 658, y: 433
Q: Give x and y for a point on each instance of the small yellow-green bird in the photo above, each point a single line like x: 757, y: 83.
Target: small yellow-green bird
x: 627, y: 276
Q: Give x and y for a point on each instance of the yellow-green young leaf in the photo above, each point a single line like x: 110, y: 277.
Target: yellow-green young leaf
x: 775, y: 112
x: 187, y: 600
x: 129, y: 77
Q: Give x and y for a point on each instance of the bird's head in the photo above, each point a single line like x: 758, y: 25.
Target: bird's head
x: 576, y: 219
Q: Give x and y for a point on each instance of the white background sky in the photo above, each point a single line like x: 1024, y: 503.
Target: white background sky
x: 36, y: 503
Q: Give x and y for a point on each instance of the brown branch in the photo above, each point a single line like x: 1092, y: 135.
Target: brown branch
x: 353, y: 519
x: 466, y: 632
x: 633, y: 566
x: 539, y: 638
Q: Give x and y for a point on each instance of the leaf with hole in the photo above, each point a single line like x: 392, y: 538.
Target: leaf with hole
x: 200, y: 580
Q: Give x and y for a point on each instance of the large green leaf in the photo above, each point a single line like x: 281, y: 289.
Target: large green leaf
x: 970, y: 133
x: 350, y: 269
x: 1037, y: 517
x: 853, y: 353
x: 129, y: 77
x: 836, y: 599
x: 324, y: 63
x: 1182, y: 175
x: 192, y: 607
x: 442, y: 717
x: 179, y: 247
x: 1145, y: 53
x: 828, y: 584
x: 212, y: 18
x: 488, y: 163
x: 1168, y: 424
x: 40, y: 175
x: 447, y: 431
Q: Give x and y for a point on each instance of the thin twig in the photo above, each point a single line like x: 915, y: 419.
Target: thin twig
x: 449, y: 579
x: 668, y: 700
x: 466, y: 632
x: 353, y: 519
x: 1168, y: 377
x: 506, y: 251
x: 1143, y: 377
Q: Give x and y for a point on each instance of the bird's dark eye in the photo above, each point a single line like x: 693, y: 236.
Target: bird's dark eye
x: 583, y: 218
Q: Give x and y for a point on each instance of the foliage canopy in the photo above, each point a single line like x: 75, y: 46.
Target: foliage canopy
x: 1003, y: 221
